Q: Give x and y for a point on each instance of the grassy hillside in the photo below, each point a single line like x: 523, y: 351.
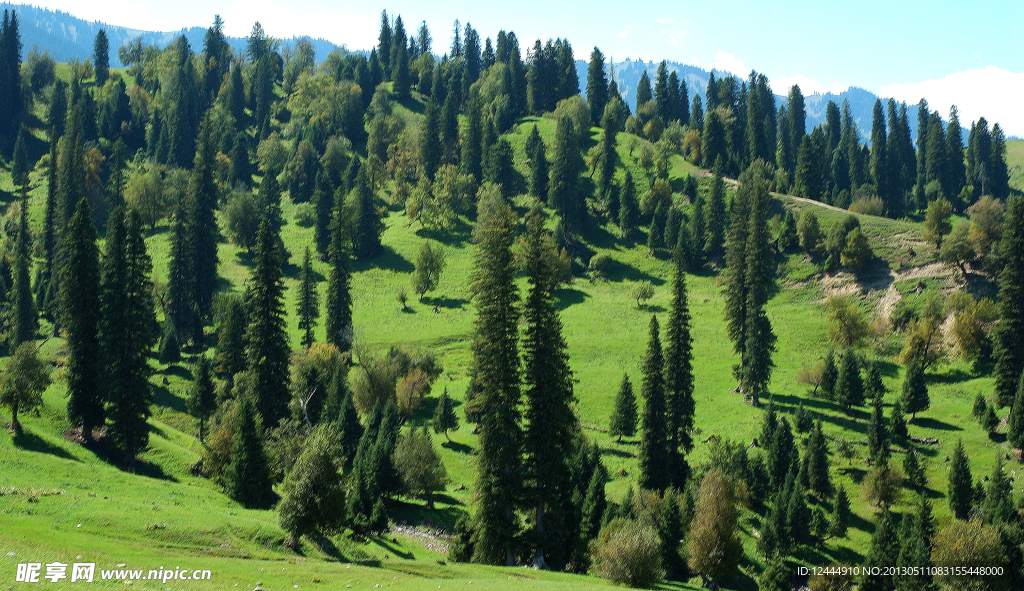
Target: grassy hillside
x: 59, y: 501
x: 1015, y: 163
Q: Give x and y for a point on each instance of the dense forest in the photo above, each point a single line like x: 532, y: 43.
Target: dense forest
x: 208, y: 145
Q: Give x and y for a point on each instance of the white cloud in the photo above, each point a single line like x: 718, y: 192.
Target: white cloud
x: 992, y: 92
x: 782, y: 85
x: 625, y: 32
x: 727, y: 62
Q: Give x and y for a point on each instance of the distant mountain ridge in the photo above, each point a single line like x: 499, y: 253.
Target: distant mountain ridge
x: 862, y: 102
x: 68, y: 37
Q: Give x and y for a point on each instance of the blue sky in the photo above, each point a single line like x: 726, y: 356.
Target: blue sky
x: 951, y: 52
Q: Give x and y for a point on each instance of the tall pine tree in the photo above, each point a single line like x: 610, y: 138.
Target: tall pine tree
x: 496, y: 363
x: 1008, y: 336
x: 679, y: 377
x: 308, y: 306
x: 338, y: 324
x: 655, y: 471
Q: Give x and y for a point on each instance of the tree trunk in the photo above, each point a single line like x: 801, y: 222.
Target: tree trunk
x: 14, y: 419
x: 538, y: 558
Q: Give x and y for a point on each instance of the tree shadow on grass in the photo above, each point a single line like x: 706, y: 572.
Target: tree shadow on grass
x: 446, y: 302
x: 567, y: 297
x: 930, y: 423
x: 456, y: 237
x: 457, y: 447
x: 388, y: 545
x: 178, y: 371
x: 611, y: 451
x: 29, y: 441
x: 327, y: 548
x: 386, y: 259
x: 951, y: 376
x: 619, y: 271
x: 162, y: 396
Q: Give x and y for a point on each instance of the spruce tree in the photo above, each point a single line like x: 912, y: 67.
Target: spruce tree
x: 170, y: 350
x: 873, y: 386
x: 126, y: 332
x: 915, y: 551
x: 679, y: 377
x: 849, y: 391
x: 670, y: 531
x: 367, y: 225
x: 898, y: 422
x: 624, y: 416
x: 714, y: 216
x: 308, y: 306
x: 24, y: 319
x: 551, y: 423
x: 247, y: 479
x: 445, y: 418
x: 829, y: 376
x: 496, y: 362
x: 338, y: 323
x: 1008, y: 336
x: 565, y: 194
x: 233, y: 320
x: 840, y: 514
x: 267, y: 350
x: 629, y: 208
x: 798, y: 516
x: 1015, y: 420
x: 202, y: 400
x: 597, y: 86
x: 915, y: 390
x: 655, y: 472
x: 736, y: 271
x: 79, y: 299
x: 101, y: 57
x: 538, y: 165
x: 878, y: 434
x: 817, y: 464
x: 595, y: 505
x: 350, y: 430
x: 19, y: 163
x: 961, y: 484
x: 430, y: 140
x: 883, y: 553
x: 758, y: 337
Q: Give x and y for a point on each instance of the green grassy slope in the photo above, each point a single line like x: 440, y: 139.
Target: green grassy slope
x: 171, y: 517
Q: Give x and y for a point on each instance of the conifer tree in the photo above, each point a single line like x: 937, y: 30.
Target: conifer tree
x: 883, y: 553
x: 338, y: 324
x: 655, y: 473
x: 629, y: 208
x: 551, y: 423
x: 24, y: 319
x: 232, y: 322
x: 898, y: 422
x: 267, y: 350
x: 19, y: 162
x: 564, y: 191
x: 595, y: 505
x: 758, y: 338
x: 915, y: 390
x: 430, y: 142
x: 445, y: 418
x: 471, y: 161
x: 496, y: 362
x: 1008, y: 336
x: 126, y: 332
x: 350, y: 430
x: 101, y: 57
x: 679, y: 377
x: 1015, y: 420
x: 798, y: 515
x: 538, y: 165
x: 915, y: 551
x: 840, y: 514
x: 849, y: 390
x: 670, y: 531
x: 829, y: 375
x: 736, y: 278
x: 170, y: 350
x: 961, y: 484
x: 783, y: 455
x: 597, y: 86
x: 79, y: 284
x: 366, y: 223
x: 624, y: 417
x: 878, y: 434
x: 643, y: 89
x: 203, y: 399
x: 247, y: 479
x: 817, y: 464
x: 308, y: 307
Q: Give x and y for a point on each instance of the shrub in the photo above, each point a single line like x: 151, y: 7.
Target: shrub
x: 969, y: 544
x: 868, y: 205
x: 628, y: 553
x: 305, y: 215
x: 598, y: 266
